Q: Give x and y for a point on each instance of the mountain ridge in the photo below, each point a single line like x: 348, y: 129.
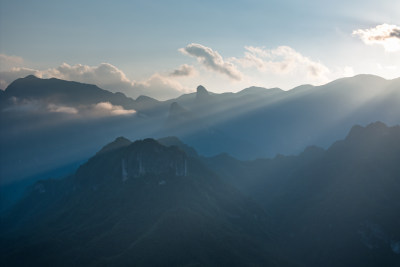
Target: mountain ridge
x: 343, y: 199
x: 252, y: 124
x: 155, y: 216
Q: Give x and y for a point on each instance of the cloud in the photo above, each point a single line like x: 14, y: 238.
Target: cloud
x: 61, y: 109
x: 101, y: 109
x: 160, y: 87
x: 7, y: 62
x: 109, y: 77
x: 108, y: 109
x: 386, y: 35
x: 104, y: 75
x: 183, y: 70
x: 282, y: 60
x: 8, y: 76
x: 212, y: 60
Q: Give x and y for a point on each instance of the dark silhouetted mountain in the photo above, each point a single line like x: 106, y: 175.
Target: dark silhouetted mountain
x: 174, y: 141
x: 139, y: 204
x: 63, y: 92
x: 117, y: 143
x: 202, y: 93
x: 334, y: 207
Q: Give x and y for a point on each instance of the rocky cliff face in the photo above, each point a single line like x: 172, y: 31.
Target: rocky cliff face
x: 130, y: 161
x: 157, y: 160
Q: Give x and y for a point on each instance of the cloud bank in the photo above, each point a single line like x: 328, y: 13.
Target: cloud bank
x: 212, y: 60
x: 108, y: 76
x: 7, y: 62
x: 104, y: 75
x: 98, y: 110
x: 8, y: 76
x: 184, y: 71
x: 386, y: 35
x: 282, y: 60
x: 62, y: 109
x: 107, y: 109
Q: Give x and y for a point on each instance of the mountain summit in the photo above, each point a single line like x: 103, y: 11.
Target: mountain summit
x: 140, y: 204
x: 202, y: 93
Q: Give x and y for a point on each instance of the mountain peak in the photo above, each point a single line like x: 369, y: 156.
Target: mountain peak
x: 117, y: 143
x: 125, y: 160
x: 31, y: 77
x: 374, y: 129
x: 144, y: 98
x: 202, y: 92
x: 175, y: 141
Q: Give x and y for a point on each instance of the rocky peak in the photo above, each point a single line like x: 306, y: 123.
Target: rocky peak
x: 117, y: 143
x: 371, y: 130
x: 150, y: 157
x: 122, y: 160
x: 202, y: 93
x: 31, y: 77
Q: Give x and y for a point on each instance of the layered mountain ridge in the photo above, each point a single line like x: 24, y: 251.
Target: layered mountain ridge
x: 138, y: 203
x: 334, y: 207
x: 160, y: 203
x: 40, y: 117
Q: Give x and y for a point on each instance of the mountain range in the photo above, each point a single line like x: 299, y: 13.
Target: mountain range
x: 248, y: 178
x: 158, y: 202
x: 333, y: 207
x: 138, y: 203
x: 49, y: 115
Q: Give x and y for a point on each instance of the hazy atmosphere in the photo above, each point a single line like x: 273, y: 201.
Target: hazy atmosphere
x: 200, y: 133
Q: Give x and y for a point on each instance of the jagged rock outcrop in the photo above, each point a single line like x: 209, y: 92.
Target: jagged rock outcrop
x: 202, y: 93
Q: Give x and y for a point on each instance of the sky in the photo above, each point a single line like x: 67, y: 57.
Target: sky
x: 166, y: 48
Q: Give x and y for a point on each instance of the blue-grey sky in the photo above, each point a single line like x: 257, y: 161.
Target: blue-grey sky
x: 164, y: 48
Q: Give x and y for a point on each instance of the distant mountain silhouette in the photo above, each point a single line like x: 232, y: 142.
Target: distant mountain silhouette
x: 202, y: 93
x: 263, y: 122
x: 41, y: 117
x: 334, y: 207
x: 138, y: 203
x: 117, y: 143
x: 58, y: 91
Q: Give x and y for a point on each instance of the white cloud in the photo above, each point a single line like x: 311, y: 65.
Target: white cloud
x: 282, y: 60
x: 183, y: 70
x: 212, y: 60
x: 8, y: 76
x: 111, y: 78
x: 61, y: 109
x: 104, y: 75
x: 160, y: 87
x: 386, y: 35
x: 101, y: 109
x: 108, y: 77
x: 7, y: 62
x: 106, y: 108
